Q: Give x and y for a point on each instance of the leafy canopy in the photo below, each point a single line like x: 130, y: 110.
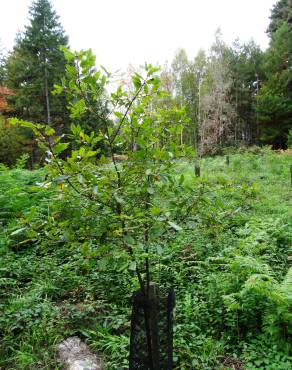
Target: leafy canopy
x: 129, y: 188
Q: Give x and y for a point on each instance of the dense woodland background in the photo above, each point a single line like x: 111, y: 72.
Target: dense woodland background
x: 232, y: 95
x: 178, y: 176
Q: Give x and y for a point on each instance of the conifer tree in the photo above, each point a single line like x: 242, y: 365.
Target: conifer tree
x: 274, y: 102
x: 246, y: 63
x: 281, y: 12
x: 36, y: 64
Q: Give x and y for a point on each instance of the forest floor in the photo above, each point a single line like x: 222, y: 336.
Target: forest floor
x: 229, y: 267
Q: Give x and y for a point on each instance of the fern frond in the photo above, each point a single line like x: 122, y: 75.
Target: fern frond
x: 286, y: 285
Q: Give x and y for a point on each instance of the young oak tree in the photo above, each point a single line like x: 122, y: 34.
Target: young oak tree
x: 138, y: 200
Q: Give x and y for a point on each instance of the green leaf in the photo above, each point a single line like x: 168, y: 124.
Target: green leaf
x: 61, y: 178
x: 119, y: 115
x: 13, y: 121
x: 80, y: 178
x: 129, y: 239
x: 118, y: 199
x: 159, y: 250
x: 123, y: 267
x: 105, y: 70
x: 59, y: 148
x: 132, y: 266
x: 136, y: 81
x: 155, y: 211
x: 18, y: 231
x: 91, y: 153
x: 174, y: 226
x: 57, y: 90
x: 71, y: 69
x: 150, y: 190
x: 67, y: 53
x: 78, y: 108
x: 33, y: 126
x: 181, y: 179
x: 49, y: 130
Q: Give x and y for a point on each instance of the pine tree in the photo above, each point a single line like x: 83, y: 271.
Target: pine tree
x: 274, y: 103
x: 246, y: 63
x: 36, y: 64
x: 281, y: 12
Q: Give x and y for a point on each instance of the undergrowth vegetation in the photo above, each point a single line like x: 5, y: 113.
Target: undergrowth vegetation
x: 229, y: 266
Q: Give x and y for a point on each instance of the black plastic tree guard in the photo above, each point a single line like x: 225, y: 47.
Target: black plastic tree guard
x: 158, y: 310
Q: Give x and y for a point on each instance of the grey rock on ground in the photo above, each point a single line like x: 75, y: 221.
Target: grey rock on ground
x: 76, y: 355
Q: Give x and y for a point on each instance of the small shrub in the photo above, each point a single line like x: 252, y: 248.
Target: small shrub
x: 22, y: 161
x: 12, y: 143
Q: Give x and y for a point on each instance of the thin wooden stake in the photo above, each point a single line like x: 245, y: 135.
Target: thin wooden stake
x: 197, y: 170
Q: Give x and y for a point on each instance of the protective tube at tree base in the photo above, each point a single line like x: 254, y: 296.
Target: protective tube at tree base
x: 159, y: 309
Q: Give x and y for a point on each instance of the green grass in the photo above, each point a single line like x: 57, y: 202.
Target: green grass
x: 227, y: 268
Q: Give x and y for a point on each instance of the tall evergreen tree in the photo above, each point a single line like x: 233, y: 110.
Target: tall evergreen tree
x: 36, y: 64
x: 274, y: 103
x: 281, y: 12
x: 246, y: 63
